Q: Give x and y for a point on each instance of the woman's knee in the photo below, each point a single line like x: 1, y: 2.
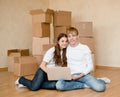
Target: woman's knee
x: 34, y: 87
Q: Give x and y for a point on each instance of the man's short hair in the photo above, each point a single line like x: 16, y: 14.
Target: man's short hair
x: 72, y: 30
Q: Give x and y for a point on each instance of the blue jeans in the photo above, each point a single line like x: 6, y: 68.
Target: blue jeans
x: 40, y: 81
x: 89, y: 80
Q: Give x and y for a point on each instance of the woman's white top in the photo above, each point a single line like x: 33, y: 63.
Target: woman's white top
x: 48, y: 57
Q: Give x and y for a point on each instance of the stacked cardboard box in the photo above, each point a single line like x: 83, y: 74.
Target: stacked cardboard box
x: 85, y: 30
x: 41, y: 21
x: 12, y: 53
x: 58, y: 30
x: 20, y: 62
x: 37, y: 45
x: 25, y: 65
x: 61, y: 21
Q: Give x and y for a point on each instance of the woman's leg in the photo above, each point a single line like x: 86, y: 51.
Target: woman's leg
x: 49, y: 85
x: 36, y: 82
x: 93, y: 83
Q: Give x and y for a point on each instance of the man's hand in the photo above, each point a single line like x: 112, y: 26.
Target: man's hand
x: 75, y: 77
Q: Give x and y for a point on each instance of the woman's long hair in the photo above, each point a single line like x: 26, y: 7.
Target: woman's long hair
x: 60, y: 60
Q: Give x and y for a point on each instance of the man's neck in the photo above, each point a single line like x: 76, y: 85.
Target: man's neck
x: 74, y: 45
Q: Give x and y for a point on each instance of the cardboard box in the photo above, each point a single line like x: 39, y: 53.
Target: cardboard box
x: 62, y: 18
x: 94, y: 64
x: 23, y: 52
x: 94, y: 61
x: 58, y: 30
x: 39, y: 58
x: 15, y: 53
x: 47, y: 46
x: 38, y: 44
x: 12, y: 51
x: 89, y: 42
x: 11, y: 61
x: 25, y: 65
x: 39, y: 15
x: 84, y: 28
x: 41, y: 30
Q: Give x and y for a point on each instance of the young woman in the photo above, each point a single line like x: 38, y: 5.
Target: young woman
x: 55, y: 56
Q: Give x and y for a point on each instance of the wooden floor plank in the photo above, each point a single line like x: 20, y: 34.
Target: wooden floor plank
x: 9, y: 89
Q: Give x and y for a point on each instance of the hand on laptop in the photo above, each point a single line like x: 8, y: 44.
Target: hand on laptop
x: 75, y: 77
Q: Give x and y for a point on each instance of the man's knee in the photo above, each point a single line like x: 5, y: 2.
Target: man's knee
x: 60, y: 85
x: 100, y: 88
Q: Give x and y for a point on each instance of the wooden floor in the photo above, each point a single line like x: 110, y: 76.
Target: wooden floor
x: 9, y: 89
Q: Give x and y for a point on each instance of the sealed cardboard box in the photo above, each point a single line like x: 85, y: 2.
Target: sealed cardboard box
x: 38, y: 44
x: 25, y: 65
x: 39, y: 58
x: 94, y: 63
x: 89, y: 42
x: 47, y: 46
x: 84, y: 28
x: 41, y: 30
x: 62, y: 18
x: 58, y: 30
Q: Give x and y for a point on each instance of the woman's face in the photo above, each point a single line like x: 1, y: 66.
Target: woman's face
x: 63, y: 42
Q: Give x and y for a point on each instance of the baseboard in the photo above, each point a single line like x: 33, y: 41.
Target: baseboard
x: 107, y: 67
x: 4, y: 69
x: 96, y: 67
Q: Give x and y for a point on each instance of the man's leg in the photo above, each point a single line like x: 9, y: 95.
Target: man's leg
x: 68, y: 85
x: 93, y: 83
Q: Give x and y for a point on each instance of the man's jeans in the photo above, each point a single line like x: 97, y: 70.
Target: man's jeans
x: 40, y: 81
x: 89, y: 80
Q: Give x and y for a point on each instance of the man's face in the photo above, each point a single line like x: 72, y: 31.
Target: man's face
x: 73, y: 38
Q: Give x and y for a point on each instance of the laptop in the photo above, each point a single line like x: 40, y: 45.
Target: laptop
x: 56, y: 73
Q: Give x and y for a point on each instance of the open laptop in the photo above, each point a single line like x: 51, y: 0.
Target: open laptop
x: 56, y: 73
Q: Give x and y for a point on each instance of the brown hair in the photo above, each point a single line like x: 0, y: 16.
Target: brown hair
x: 57, y: 55
x: 72, y: 30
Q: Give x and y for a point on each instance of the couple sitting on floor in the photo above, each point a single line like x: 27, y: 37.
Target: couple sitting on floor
x: 74, y: 55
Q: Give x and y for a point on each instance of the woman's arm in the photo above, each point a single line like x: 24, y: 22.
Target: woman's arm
x: 43, y: 66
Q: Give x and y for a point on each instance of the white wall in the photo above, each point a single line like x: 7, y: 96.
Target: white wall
x: 105, y: 16
x: 16, y: 25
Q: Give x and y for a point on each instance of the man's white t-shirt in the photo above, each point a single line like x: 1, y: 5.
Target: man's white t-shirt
x: 79, y: 59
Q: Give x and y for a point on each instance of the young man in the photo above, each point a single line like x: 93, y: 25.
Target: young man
x: 80, y: 62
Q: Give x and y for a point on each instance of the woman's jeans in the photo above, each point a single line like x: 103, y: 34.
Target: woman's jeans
x: 89, y: 80
x: 40, y: 81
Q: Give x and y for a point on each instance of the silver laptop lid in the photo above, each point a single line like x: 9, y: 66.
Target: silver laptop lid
x: 56, y: 73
